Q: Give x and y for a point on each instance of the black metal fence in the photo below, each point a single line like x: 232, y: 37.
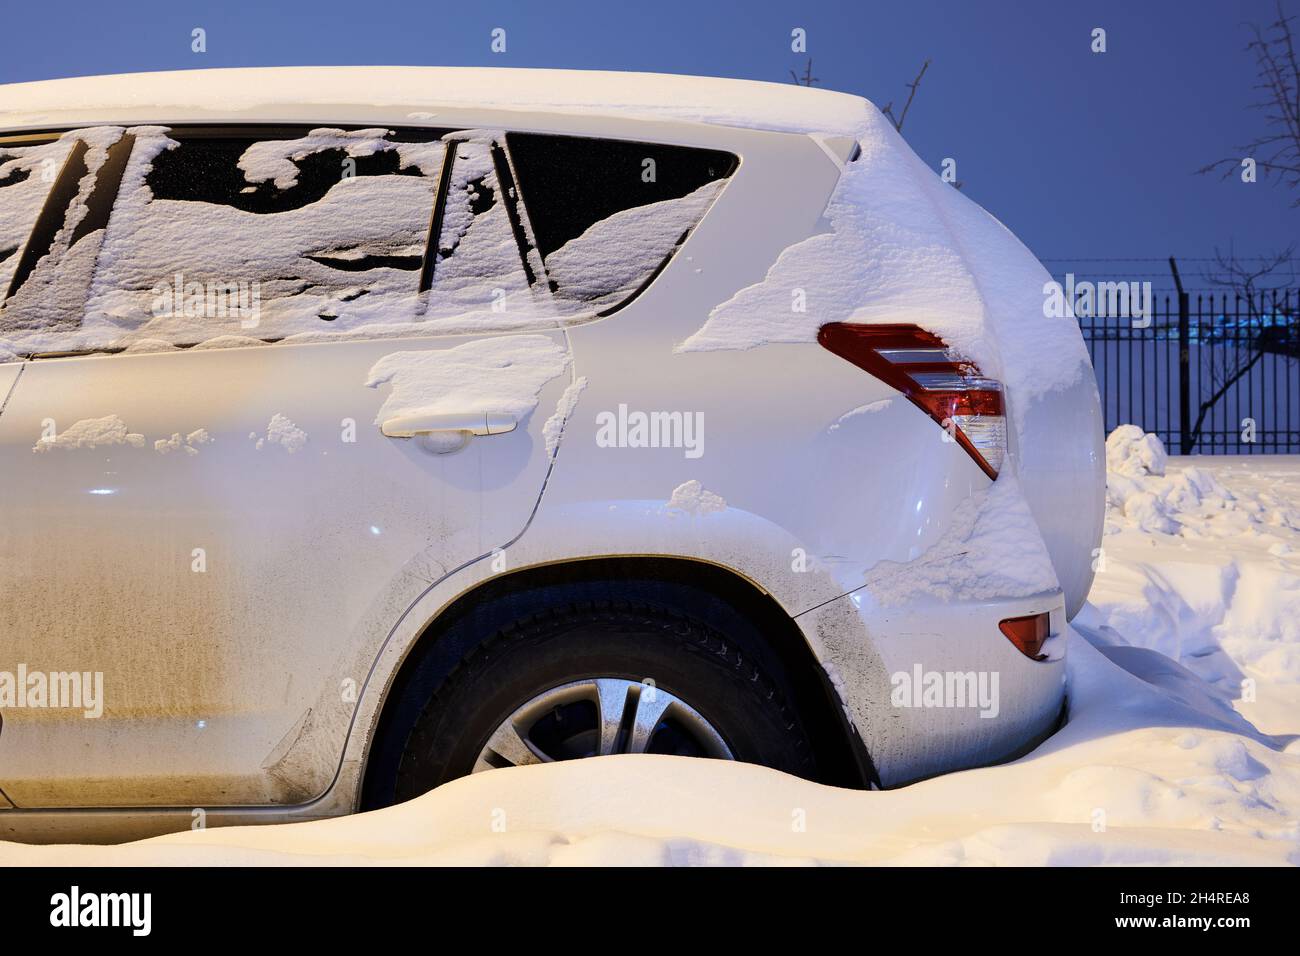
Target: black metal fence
x: 1209, y: 374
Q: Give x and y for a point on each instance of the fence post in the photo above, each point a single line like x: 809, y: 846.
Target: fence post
x: 1185, y: 439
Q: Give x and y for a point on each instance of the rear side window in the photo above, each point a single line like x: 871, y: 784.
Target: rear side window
x: 606, y: 215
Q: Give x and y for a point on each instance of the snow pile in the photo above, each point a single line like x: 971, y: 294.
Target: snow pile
x: 141, y: 346
x: 691, y: 498
x: 283, y: 432
x: 225, y: 342
x: 1191, y: 502
x: 502, y: 375
x: 553, y: 429
x: 1133, y: 453
x: 91, y: 433
x: 187, y: 443
x: 111, y: 430
x: 1208, y: 574
x: 1181, y: 748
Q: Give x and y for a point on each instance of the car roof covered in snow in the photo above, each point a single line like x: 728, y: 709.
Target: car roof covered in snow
x: 749, y: 104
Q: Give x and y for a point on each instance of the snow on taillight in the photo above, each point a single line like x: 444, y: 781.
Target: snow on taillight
x: 950, y: 389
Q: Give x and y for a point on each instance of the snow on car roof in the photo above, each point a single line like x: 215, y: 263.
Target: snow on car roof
x: 726, y: 102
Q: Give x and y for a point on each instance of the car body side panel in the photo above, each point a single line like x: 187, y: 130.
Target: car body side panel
x: 10, y: 372
x: 1060, y: 452
x: 231, y: 596
x: 989, y: 701
x: 789, y: 433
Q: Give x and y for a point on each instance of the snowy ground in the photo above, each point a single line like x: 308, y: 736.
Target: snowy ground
x: 1183, y: 744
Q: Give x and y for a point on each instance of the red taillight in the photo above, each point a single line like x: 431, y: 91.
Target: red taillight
x: 1029, y: 634
x: 951, y: 390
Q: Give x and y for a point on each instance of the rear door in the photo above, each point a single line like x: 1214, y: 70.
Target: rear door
x: 206, y: 533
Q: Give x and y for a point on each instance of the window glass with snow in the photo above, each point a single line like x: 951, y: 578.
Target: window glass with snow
x: 49, y: 213
x: 606, y: 215
x: 151, y: 237
x: 480, y: 276
x: 216, y: 235
x: 28, y: 169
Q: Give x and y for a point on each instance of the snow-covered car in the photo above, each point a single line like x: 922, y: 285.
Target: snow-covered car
x: 364, y: 428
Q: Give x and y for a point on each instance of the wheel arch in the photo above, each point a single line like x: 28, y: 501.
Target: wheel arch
x: 727, y: 597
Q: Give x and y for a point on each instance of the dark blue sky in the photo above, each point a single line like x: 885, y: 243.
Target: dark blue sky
x: 1083, y: 155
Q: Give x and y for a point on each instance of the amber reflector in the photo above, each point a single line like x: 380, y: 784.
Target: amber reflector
x: 1029, y: 634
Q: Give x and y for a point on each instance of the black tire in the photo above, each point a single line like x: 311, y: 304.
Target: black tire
x: 734, y: 688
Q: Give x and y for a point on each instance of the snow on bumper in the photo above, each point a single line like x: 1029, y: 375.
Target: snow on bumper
x: 933, y: 688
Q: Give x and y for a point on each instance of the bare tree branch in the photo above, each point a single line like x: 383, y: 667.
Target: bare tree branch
x: 911, y: 87
x: 1276, y: 151
x: 1248, y: 277
x: 1252, y: 282
x: 807, y: 79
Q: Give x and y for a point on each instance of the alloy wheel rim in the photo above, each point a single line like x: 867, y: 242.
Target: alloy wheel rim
x: 599, y: 716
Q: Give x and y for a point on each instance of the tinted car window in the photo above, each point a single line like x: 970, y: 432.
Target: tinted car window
x: 607, y: 214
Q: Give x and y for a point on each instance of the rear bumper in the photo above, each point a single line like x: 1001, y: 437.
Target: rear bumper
x: 936, y: 688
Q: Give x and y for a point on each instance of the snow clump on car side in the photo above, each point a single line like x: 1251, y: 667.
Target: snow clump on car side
x: 282, y: 431
x: 91, y: 433
x: 692, y: 498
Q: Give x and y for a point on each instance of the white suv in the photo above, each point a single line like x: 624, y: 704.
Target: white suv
x: 366, y: 428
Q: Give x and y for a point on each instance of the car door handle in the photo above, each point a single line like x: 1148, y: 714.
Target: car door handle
x: 428, y: 423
